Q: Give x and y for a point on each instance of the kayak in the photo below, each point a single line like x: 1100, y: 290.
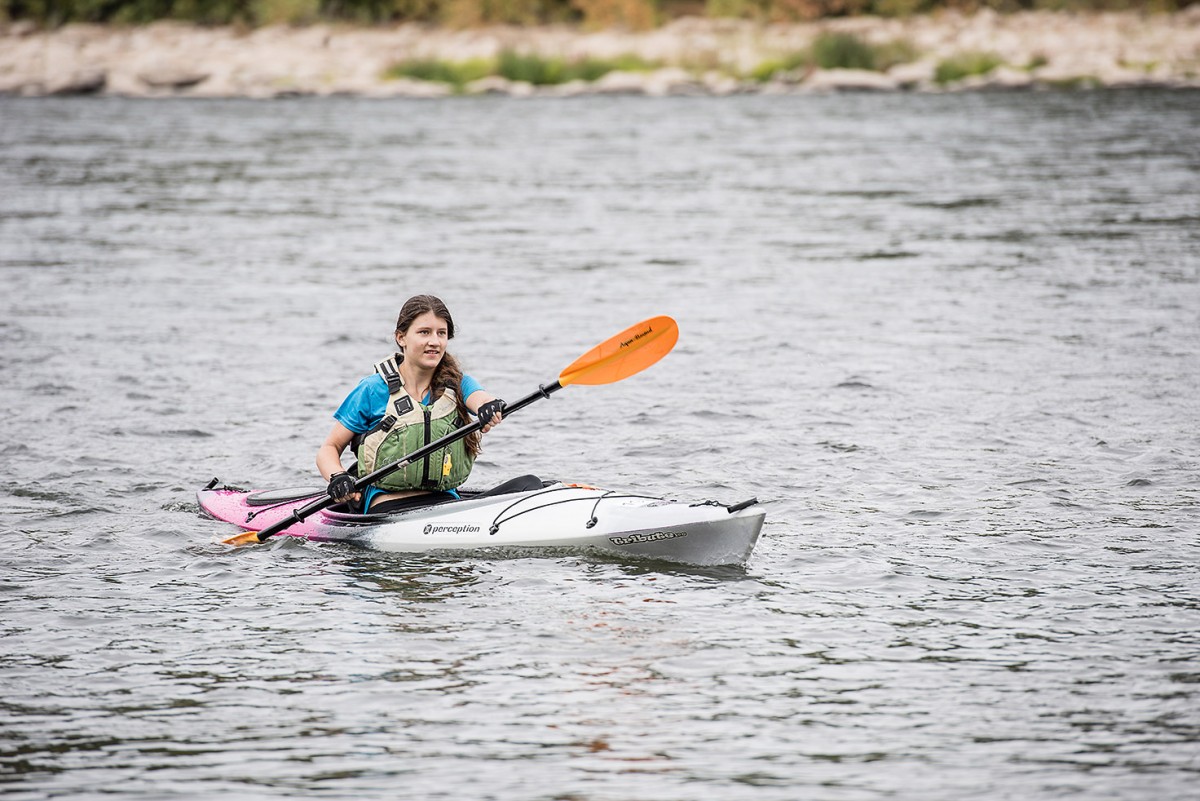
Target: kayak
x: 551, y: 518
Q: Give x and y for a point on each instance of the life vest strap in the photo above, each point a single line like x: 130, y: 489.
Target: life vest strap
x: 389, y: 369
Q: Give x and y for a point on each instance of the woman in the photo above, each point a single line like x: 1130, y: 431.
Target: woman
x: 415, y: 397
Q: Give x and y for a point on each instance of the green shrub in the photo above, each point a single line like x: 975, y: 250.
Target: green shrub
x: 531, y: 68
x: 467, y: 13
x: 1037, y: 62
x: 842, y: 51
x: 456, y: 73
x: 542, y: 71
x: 898, y: 51
x: 293, y: 12
x: 964, y: 65
x: 766, y: 71
x: 901, y: 8
x: 769, y: 69
x: 735, y: 8
x: 376, y: 11
x: 634, y: 15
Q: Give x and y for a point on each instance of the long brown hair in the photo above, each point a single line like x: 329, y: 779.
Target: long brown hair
x: 447, y: 373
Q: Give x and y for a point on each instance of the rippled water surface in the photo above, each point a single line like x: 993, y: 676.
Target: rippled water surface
x: 952, y: 342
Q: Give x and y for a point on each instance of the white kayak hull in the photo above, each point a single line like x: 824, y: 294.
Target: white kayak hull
x: 553, y: 519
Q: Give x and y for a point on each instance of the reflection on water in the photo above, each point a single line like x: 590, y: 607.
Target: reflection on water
x: 950, y: 342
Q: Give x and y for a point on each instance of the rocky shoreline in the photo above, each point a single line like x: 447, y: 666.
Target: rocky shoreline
x: 697, y: 56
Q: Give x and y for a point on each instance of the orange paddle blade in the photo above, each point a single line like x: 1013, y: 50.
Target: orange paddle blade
x: 629, y: 352
x: 245, y: 538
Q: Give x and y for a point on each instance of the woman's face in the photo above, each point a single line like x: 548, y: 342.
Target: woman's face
x: 424, y: 342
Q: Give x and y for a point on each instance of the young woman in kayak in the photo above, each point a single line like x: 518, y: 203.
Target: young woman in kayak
x: 412, y: 399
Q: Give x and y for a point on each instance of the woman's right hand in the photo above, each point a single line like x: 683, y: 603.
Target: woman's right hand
x: 490, y: 414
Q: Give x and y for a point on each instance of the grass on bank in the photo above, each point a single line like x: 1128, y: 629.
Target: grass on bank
x: 541, y: 71
x: 847, y: 51
x: 828, y: 51
x: 455, y: 73
x: 965, y: 65
x: 840, y: 51
x: 530, y: 68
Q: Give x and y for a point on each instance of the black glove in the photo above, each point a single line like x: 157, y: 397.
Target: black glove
x: 341, y: 486
x: 489, y: 410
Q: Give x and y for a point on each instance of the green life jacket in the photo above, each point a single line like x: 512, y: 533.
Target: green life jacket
x: 405, y: 427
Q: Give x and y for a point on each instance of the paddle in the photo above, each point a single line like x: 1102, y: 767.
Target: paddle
x: 614, y: 359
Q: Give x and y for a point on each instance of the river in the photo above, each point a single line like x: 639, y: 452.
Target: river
x: 951, y: 341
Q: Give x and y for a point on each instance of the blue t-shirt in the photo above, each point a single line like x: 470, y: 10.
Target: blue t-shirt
x: 366, y: 404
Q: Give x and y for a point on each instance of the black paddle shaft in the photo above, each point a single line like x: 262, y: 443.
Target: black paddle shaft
x: 304, y: 512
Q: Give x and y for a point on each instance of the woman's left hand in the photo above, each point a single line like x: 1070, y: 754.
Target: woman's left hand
x: 490, y: 414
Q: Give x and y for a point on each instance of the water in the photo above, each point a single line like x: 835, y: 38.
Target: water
x: 950, y: 341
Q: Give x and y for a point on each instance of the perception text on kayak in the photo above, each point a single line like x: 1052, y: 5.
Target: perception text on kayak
x: 636, y: 337
x: 636, y: 539
x: 463, y: 528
